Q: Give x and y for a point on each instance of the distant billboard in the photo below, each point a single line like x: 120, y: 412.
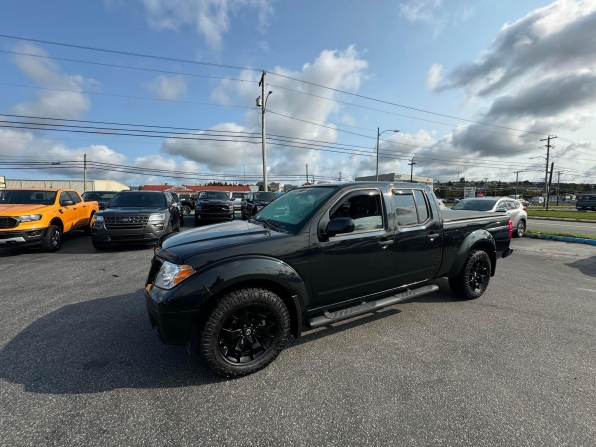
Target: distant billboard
x: 469, y: 192
x: 2, y: 182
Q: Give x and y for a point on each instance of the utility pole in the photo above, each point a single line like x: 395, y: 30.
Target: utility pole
x: 339, y: 179
x: 378, y: 136
x: 262, y: 101
x: 516, y: 180
x: 558, y: 185
x: 84, y: 172
x: 548, y: 146
x: 411, y: 164
x: 307, y: 174
x: 485, y: 183
x: 550, y: 179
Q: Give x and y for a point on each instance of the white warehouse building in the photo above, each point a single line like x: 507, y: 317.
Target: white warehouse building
x: 78, y: 185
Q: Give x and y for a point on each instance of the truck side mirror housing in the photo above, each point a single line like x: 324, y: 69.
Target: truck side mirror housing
x: 340, y: 225
x: 66, y: 203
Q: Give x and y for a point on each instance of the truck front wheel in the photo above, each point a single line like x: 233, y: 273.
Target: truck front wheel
x: 245, y: 332
x: 52, y: 241
x: 474, y: 277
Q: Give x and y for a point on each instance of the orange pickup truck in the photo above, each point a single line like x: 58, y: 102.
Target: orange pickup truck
x: 39, y: 216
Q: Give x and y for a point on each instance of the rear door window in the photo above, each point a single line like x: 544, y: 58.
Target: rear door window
x: 405, y: 207
x: 421, y: 206
x: 510, y: 205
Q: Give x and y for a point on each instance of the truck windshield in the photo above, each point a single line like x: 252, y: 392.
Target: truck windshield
x: 475, y: 205
x: 213, y: 195
x: 265, y: 196
x: 138, y: 200
x: 103, y: 196
x: 292, y: 209
x: 27, y: 197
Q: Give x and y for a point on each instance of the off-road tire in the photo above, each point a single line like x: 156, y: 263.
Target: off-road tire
x: 461, y: 284
x: 521, y: 229
x: 209, y: 332
x: 52, y: 240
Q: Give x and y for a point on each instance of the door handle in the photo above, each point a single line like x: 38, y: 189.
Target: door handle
x: 385, y: 244
x: 432, y: 236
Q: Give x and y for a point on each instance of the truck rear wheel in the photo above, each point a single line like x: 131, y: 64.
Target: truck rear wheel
x: 245, y: 332
x: 474, y: 277
x: 52, y: 241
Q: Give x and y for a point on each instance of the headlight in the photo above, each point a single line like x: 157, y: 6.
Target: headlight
x: 231, y: 207
x: 157, y: 217
x: 28, y: 218
x: 170, y: 275
x: 98, y: 219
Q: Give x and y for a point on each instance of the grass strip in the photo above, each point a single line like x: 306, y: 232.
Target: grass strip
x: 562, y: 214
x: 557, y: 233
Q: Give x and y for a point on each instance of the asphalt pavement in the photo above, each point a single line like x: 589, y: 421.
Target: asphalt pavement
x: 564, y: 226
x: 80, y: 365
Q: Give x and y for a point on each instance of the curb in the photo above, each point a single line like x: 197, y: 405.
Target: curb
x: 576, y: 240
x: 568, y: 219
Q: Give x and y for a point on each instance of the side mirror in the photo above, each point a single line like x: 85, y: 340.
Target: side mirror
x: 501, y: 210
x: 66, y: 203
x: 341, y: 225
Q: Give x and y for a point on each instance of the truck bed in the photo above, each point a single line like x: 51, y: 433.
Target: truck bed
x: 450, y: 216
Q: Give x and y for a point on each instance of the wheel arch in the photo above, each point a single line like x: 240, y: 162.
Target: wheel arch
x: 262, y: 272
x: 58, y: 222
x: 477, y: 240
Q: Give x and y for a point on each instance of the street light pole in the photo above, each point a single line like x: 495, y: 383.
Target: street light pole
x: 379, y: 136
x: 263, y: 103
x: 516, y: 179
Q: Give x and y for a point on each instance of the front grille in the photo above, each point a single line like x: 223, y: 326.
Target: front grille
x: 216, y: 209
x: 8, y: 222
x: 126, y: 222
x: 127, y: 237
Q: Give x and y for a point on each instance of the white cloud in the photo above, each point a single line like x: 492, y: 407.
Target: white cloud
x: 264, y: 45
x: 420, y: 10
x: 337, y: 69
x: 433, y: 76
x: 48, y: 74
x: 168, y: 87
x: 211, y: 18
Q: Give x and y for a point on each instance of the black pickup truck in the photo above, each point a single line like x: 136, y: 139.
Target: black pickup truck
x: 237, y: 290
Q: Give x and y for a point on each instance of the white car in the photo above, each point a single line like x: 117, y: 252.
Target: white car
x: 512, y: 207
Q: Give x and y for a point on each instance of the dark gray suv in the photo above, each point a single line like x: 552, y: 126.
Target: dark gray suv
x: 135, y: 217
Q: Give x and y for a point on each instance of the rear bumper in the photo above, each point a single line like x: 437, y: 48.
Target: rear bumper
x: 22, y: 237
x: 507, y: 253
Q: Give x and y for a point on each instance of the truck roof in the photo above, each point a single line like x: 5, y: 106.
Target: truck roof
x: 38, y: 189
x: 369, y: 183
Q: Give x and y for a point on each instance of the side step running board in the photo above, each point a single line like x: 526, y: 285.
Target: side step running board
x: 343, y: 314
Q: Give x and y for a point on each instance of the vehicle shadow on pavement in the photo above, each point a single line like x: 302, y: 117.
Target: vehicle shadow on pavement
x: 95, y: 346
x: 587, y: 266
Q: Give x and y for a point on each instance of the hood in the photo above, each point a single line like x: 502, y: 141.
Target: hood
x: 18, y: 210
x: 217, y: 236
x: 131, y: 211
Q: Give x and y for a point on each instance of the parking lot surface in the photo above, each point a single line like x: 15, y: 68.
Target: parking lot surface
x: 80, y: 365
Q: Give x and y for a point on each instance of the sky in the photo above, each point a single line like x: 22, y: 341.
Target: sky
x: 496, y: 77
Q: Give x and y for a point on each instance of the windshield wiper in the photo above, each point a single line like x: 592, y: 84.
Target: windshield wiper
x: 269, y: 224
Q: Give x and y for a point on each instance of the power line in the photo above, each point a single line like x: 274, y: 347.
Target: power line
x: 211, y: 64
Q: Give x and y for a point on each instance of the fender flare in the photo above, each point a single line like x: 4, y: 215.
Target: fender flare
x: 476, y: 239
x: 250, y: 270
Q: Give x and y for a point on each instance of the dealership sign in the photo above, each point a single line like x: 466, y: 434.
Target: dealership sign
x: 469, y: 192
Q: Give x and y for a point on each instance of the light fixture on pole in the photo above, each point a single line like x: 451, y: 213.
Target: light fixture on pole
x: 378, y: 136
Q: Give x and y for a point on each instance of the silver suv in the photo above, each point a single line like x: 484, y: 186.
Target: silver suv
x: 512, y: 207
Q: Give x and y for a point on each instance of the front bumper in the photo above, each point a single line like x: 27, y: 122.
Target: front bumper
x: 22, y: 237
x: 203, y: 215
x: 150, y: 234
x: 172, y: 313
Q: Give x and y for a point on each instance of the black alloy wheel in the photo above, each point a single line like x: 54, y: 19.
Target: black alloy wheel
x: 186, y: 210
x: 472, y: 281
x: 478, y: 276
x: 52, y: 240
x: 247, y: 334
x: 56, y: 238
